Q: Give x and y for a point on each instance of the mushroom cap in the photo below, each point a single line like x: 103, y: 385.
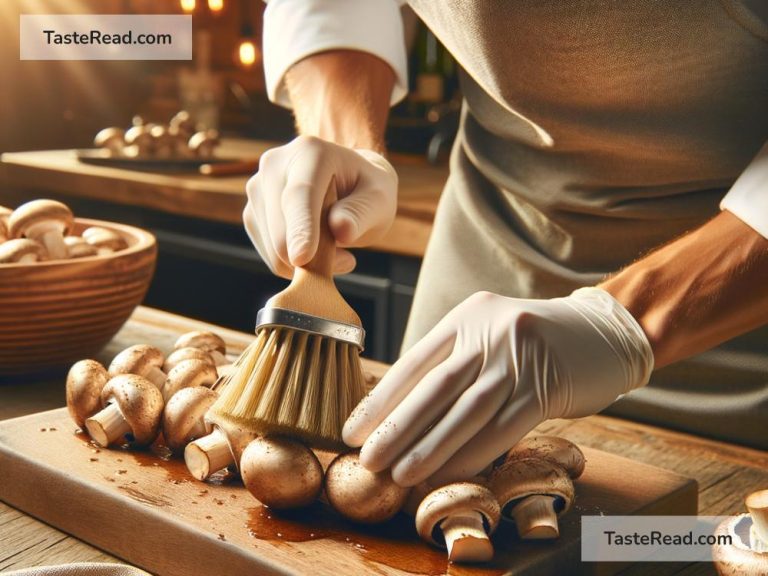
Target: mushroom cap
x: 554, y: 449
x: 20, y: 249
x: 85, y: 381
x: 182, y: 122
x: 188, y: 353
x: 182, y: 414
x: 104, y: 238
x: 281, y: 473
x: 5, y: 214
x: 109, y: 136
x: 77, y: 247
x: 140, y: 403
x: 518, y: 479
x: 136, y: 359
x: 203, y: 340
x: 738, y: 559
x: 188, y: 374
x: 454, y: 500
x: 3, y: 230
x: 161, y: 135
x: 204, y: 138
x: 361, y: 495
x: 140, y: 135
x: 47, y: 213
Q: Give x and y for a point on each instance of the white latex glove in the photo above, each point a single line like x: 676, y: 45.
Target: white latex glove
x: 488, y: 373
x: 286, y: 195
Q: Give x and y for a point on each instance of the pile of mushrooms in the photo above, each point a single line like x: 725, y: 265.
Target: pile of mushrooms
x: 140, y: 394
x: 747, y: 552
x: 39, y: 231
x: 177, y: 139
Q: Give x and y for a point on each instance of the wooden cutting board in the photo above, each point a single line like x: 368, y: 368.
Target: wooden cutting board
x: 144, y: 508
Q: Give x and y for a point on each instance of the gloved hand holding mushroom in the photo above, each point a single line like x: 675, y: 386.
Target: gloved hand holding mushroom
x: 489, y: 372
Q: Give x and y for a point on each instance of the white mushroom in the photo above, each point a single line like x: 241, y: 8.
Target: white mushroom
x: 111, y: 140
x: 77, y: 247
x: 138, y: 140
x: 21, y: 251
x: 46, y: 221
x: 202, y: 144
x: 104, y: 240
x: 143, y: 360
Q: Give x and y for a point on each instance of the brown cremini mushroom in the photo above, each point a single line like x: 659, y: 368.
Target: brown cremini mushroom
x: 532, y: 493
x: 460, y: 517
x: 553, y: 449
x: 21, y: 251
x: 184, y: 416
x: 187, y: 353
x: 281, y: 473
x: 163, y: 142
x: 138, y: 140
x: 85, y: 381
x: 143, y: 360
x: 110, y: 139
x: 182, y: 124
x: 747, y: 550
x: 207, y: 341
x: 202, y: 144
x: 104, y: 240
x: 361, y: 495
x: 45, y: 221
x: 77, y: 247
x: 133, y: 408
x: 220, y: 449
x: 188, y: 374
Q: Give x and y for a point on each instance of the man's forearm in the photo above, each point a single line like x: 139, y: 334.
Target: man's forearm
x: 342, y: 96
x: 698, y: 291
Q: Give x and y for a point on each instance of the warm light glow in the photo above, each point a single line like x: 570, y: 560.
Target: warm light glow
x: 188, y: 6
x: 247, y: 53
x: 215, y: 5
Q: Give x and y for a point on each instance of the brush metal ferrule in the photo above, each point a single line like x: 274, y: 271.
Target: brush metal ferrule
x: 281, y: 318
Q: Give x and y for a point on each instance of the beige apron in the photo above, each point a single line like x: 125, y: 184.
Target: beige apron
x: 593, y: 131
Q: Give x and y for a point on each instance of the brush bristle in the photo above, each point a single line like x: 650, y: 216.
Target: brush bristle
x: 293, y: 383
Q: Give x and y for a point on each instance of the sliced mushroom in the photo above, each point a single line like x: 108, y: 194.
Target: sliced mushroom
x: 85, y: 382
x: 220, y: 449
x: 104, y: 240
x: 361, y: 495
x: 77, y: 247
x: 45, y: 221
x: 202, y: 144
x: 553, y: 449
x: 21, y: 251
x: 143, y: 360
x: 460, y: 517
x: 184, y: 416
x: 111, y: 139
x: 532, y: 493
x: 189, y: 374
x: 187, y: 353
x: 281, y: 473
x: 138, y: 140
x: 133, y: 408
x: 208, y: 341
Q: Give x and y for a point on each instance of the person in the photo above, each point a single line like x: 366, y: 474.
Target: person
x: 578, y: 245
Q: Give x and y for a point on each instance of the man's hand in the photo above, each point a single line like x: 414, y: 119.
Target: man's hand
x: 282, y: 217
x: 489, y: 372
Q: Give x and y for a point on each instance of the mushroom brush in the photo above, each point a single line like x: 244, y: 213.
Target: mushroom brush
x: 133, y: 407
x: 361, y: 495
x: 281, y: 473
x: 460, y: 517
x: 532, y: 493
x: 302, y: 375
x: 747, y: 549
x: 46, y: 221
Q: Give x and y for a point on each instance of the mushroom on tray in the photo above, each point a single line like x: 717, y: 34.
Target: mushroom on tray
x: 202, y: 144
x: 133, y: 407
x: 747, y: 552
x: 460, y: 517
x: 184, y: 416
x: 281, y: 473
x: 46, y: 221
x: 361, y: 495
x: 21, y: 251
x: 209, y: 342
x: 85, y: 382
x: 111, y: 140
x: 140, y: 359
x: 187, y: 374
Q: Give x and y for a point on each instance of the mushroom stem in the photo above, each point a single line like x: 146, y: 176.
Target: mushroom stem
x: 466, y: 539
x: 107, y: 426
x: 757, y: 504
x: 54, y: 244
x: 208, y: 454
x: 536, y: 519
x: 156, y: 376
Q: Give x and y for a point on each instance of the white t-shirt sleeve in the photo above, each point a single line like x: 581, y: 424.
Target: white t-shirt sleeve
x: 294, y: 29
x: 748, y: 197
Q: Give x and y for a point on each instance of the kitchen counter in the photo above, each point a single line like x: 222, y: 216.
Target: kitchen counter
x: 725, y: 472
x: 217, y: 199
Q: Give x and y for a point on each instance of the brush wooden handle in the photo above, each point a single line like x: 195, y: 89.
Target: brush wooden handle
x: 323, y: 261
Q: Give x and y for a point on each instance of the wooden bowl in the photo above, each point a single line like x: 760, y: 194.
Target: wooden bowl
x: 55, y: 313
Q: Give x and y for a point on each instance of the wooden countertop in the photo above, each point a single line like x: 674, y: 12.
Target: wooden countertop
x: 220, y: 199
x: 725, y: 472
